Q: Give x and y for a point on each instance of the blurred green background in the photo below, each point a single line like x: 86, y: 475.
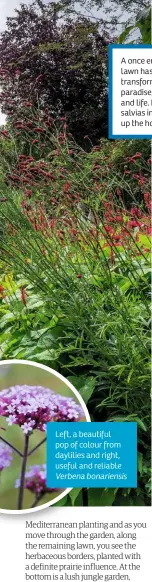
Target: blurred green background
x: 10, y: 375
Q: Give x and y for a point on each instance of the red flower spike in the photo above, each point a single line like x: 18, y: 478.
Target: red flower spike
x: 141, y: 181
x: 38, y: 129
x: 147, y: 196
x: 28, y: 104
x: 4, y: 132
x: 23, y: 295
x: 52, y: 223
x: 112, y: 257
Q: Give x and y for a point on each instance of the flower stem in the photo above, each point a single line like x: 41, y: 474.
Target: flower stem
x: 85, y: 497
x: 23, y: 468
x: 11, y: 446
x: 37, y: 446
x: 37, y: 499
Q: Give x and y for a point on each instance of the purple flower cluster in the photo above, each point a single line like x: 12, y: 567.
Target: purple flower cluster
x: 30, y: 407
x: 5, y: 456
x: 35, y: 480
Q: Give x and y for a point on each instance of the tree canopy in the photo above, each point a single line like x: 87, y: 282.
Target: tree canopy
x: 111, y: 15
x: 54, y: 54
x: 58, y: 64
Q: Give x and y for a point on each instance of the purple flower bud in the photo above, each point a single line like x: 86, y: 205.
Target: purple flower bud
x: 5, y: 456
x: 30, y: 407
x: 35, y: 480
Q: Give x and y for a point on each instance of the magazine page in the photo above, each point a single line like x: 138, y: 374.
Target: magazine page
x: 75, y: 272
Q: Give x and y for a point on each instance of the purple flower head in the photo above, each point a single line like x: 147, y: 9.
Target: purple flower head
x: 5, y: 456
x: 35, y: 480
x: 30, y: 407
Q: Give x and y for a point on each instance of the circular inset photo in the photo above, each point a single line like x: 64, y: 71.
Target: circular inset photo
x: 30, y: 396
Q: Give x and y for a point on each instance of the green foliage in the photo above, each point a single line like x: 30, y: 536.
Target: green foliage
x: 94, y: 329
x: 143, y: 24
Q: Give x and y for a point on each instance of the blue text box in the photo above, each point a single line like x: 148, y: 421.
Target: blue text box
x: 114, y: 76
x: 96, y: 454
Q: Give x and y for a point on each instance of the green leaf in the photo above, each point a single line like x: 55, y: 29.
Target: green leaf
x: 18, y: 353
x: 36, y: 334
x: 140, y: 462
x: 74, y: 494
x: 45, y: 355
x: 77, y: 381
x: 129, y: 418
x: 84, y: 385
x: 87, y: 390
x: 140, y: 423
x: 34, y: 302
x: 130, y: 375
x: 124, y: 286
x: 145, y: 240
x: 7, y: 317
x: 62, y: 502
x: 101, y: 497
x: 45, y: 341
x: 125, y: 33
x: 144, y: 25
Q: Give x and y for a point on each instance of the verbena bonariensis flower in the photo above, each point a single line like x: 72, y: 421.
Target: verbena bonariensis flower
x: 5, y: 456
x: 30, y: 407
x: 35, y: 480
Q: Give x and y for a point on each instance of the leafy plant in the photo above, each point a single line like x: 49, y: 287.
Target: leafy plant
x: 142, y: 24
x: 58, y: 64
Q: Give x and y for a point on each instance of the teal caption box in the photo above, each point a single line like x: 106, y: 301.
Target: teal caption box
x: 96, y: 454
x: 129, y: 84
